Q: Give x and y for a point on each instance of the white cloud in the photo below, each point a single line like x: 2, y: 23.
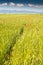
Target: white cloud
x: 33, y: 5
x: 3, y: 4
x: 11, y: 4
x: 30, y: 5
x: 20, y: 5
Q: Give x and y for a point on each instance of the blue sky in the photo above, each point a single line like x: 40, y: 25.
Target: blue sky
x: 23, y: 1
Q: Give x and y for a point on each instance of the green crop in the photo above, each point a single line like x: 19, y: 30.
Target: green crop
x: 21, y: 39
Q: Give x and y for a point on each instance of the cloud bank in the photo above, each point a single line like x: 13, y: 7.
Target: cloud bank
x: 20, y: 8
x: 12, y: 4
x: 33, y: 5
x: 16, y: 9
x: 20, y: 5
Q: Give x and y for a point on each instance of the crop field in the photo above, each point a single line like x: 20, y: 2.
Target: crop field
x: 21, y: 39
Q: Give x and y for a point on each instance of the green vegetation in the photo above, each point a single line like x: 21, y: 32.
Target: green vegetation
x: 21, y: 39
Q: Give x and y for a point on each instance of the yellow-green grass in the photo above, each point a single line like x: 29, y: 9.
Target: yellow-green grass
x: 21, y: 39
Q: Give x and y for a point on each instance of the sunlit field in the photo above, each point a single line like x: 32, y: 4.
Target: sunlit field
x: 21, y: 39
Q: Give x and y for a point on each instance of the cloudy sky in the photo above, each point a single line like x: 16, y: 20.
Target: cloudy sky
x: 27, y: 6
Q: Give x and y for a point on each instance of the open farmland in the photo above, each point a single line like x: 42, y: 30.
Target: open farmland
x: 21, y: 39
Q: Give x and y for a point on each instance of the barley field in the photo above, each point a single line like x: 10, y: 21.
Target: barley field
x: 21, y: 39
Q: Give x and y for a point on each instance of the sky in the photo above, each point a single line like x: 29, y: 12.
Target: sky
x: 23, y: 1
x: 21, y: 6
